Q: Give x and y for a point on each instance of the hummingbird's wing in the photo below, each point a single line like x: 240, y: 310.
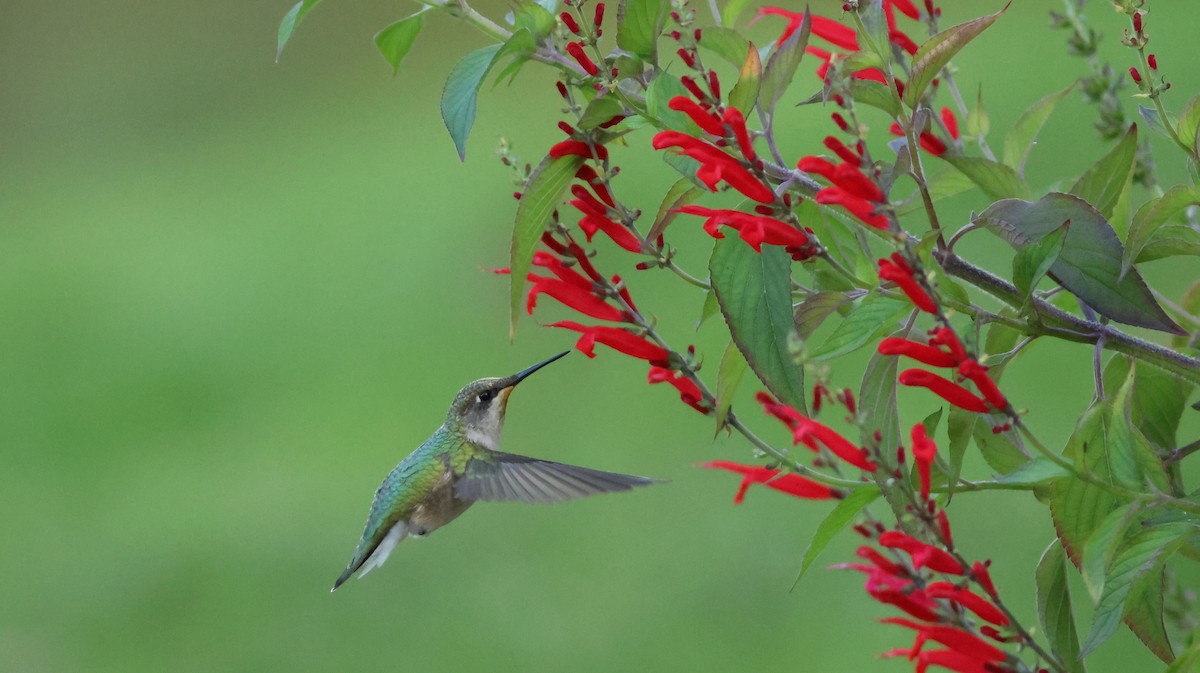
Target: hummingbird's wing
x: 492, y: 475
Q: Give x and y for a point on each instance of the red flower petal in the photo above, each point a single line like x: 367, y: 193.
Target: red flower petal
x: 579, y: 149
x: 971, y: 601
x: 924, y: 451
x: 616, y: 338
x: 897, y: 271
x: 923, y: 555
x: 703, y: 118
x: 573, y: 296
x: 978, y: 374
x: 943, y: 388
x: 689, y: 392
x: 923, y: 353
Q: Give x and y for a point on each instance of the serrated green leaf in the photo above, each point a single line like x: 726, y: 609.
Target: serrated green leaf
x: 685, y: 166
x: 815, y: 308
x: 877, y: 402
x: 998, y: 451
x: 1131, y: 459
x: 994, y: 178
x: 1076, y: 506
x: 1054, y: 607
x: 639, y: 23
x: 1157, y: 403
x: 1089, y: 264
x: 531, y: 16
x: 960, y: 426
x: 937, y: 51
x: 1024, y: 133
x: 459, y: 94
x: 1102, y: 184
x: 546, y: 190
x: 872, y: 316
x: 781, y: 67
x: 1150, y: 217
x: 658, y: 99
x: 1171, y: 240
x: 521, y: 46
x: 1037, y: 471
x: 290, y: 22
x: 1138, y: 557
x: 842, y: 514
x: 726, y: 43
x: 1189, y: 122
x: 744, y: 93
x: 1101, y: 547
x: 729, y: 375
x: 710, y: 308
x: 754, y: 291
x: 876, y: 95
x: 396, y: 40
x: 680, y: 194
x: 1034, y: 260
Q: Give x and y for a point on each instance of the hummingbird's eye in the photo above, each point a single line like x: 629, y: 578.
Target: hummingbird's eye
x: 486, y: 396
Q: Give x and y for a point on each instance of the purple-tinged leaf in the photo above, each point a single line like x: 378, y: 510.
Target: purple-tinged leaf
x: 683, y: 192
x: 937, y: 51
x: 1089, y: 264
x: 744, y: 93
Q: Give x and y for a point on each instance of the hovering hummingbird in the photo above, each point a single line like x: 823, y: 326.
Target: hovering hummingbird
x: 459, y: 465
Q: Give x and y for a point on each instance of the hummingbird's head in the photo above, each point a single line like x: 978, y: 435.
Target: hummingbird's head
x: 479, y: 407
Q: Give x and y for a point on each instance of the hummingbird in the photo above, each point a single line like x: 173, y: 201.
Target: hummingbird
x: 459, y: 465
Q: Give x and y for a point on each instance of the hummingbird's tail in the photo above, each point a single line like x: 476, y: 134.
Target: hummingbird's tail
x: 368, y: 557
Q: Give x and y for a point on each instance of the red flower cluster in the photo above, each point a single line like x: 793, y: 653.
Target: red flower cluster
x: 851, y: 188
x: 788, y: 482
x: 905, y: 578
x: 845, y: 37
x: 813, y: 434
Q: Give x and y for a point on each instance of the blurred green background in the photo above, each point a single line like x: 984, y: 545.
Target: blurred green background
x: 236, y: 293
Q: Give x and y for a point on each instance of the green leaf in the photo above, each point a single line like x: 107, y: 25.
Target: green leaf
x: 744, y: 93
x: 978, y: 124
x: 1089, y: 264
x: 395, y: 40
x: 290, y: 22
x: 1131, y: 459
x: 1171, y: 240
x: 536, y: 19
x: 1150, y: 217
x: 944, y: 184
x: 1034, y: 260
x: 871, y: 317
x: 1024, y: 133
x: 1078, y: 507
x: 726, y: 43
x: 1137, y: 558
x: 1054, y: 607
x: 877, y: 402
x: 815, y: 308
x: 537, y: 205
x: 458, y: 96
x: 1157, y: 402
x: 711, y: 307
x: 876, y: 95
x: 658, y: 99
x: 521, y: 47
x: 685, y: 166
x: 1189, y: 122
x: 996, y: 179
x: 639, y: 23
x: 1102, y: 184
x: 998, y: 451
x: 1037, y: 471
x: 842, y: 514
x: 600, y: 110
x: 781, y: 67
x: 680, y: 194
x: 754, y: 290
x: 1101, y: 548
x: 937, y: 51
x: 729, y: 375
x: 960, y: 426
x: 731, y: 11
x: 1189, y: 660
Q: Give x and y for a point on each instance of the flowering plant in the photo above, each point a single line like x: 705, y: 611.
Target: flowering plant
x: 851, y: 235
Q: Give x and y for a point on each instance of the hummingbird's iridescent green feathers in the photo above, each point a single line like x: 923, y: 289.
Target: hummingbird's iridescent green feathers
x: 493, y: 475
x: 405, y: 487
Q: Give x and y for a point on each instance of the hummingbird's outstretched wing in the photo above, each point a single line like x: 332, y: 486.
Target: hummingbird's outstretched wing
x: 492, y: 475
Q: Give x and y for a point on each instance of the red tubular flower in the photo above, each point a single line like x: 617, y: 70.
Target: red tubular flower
x: 595, y: 218
x: 850, y: 177
x: 737, y: 123
x: 859, y: 207
x: 944, y: 526
x: 706, y: 120
x: 953, y: 637
x: 589, y: 175
x: 615, y: 338
x: 903, y: 41
x: 585, y: 263
x: 569, y: 21
x: 714, y: 82
x: 598, y: 17
x: 906, y: 8
x: 807, y: 431
x: 575, y: 49
x: 971, y: 601
x: 1137, y: 22
x: 691, y: 86
x: 943, y: 388
x: 950, y: 121
x: 880, y: 561
x: 923, y: 555
x: 792, y: 484
x: 899, y: 272
x: 979, y: 573
x: 579, y: 149
x: 1137, y: 76
x: 573, y: 296
x: 716, y: 165
x: 1153, y: 61
x: 924, y: 451
x: 947, y: 659
x: 912, y: 601
x: 844, y: 153
x: 753, y: 229
x: 832, y: 31
x: 978, y: 374
x: 818, y: 166
x: 565, y: 274
x: 932, y: 144
x: 923, y: 353
x: 623, y: 291
x: 689, y: 392
x: 944, y: 336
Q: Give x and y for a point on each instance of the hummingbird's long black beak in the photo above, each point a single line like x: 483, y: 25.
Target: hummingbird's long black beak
x: 524, y: 373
